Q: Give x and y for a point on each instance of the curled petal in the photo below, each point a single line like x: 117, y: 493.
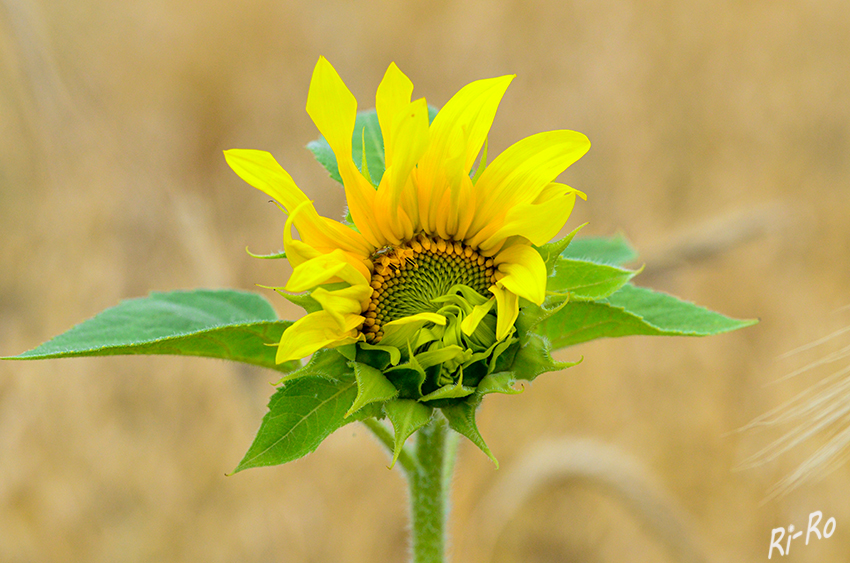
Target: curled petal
x: 507, y: 307
x: 316, y: 331
x: 341, y: 302
x: 524, y: 272
x: 402, y: 331
x: 537, y: 222
x: 325, y: 268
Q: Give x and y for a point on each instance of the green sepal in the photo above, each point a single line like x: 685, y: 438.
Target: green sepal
x: 614, y: 250
x: 372, y: 387
x: 461, y: 417
x: 552, y: 250
x: 482, y: 162
x: 455, y: 391
x: 303, y: 300
x: 326, y: 363
x: 633, y: 311
x: 587, y: 281
x: 501, y: 382
x: 223, y: 324
x: 348, y: 351
x: 377, y: 356
x: 534, y: 357
x: 408, y: 378
x: 407, y: 416
x: 302, y: 413
x: 275, y: 256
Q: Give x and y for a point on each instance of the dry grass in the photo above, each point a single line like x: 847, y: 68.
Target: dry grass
x: 702, y: 113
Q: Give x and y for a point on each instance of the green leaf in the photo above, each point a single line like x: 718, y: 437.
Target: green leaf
x: 632, y: 311
x: 372, y: 387
x: 461, y: 417
x: 587, y: 280
x: 225, y: 324
x: 301, y: 414
x: 551, y: 251
x: 604, y: 250
x: 367, y: 139
x: 407, y: 416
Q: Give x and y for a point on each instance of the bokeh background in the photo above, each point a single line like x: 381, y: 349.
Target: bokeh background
x: 721, y: 135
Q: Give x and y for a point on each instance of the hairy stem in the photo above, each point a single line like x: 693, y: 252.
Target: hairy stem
x: 429, y: 489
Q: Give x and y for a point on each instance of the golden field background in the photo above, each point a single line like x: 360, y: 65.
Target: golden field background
x: 721, y: 135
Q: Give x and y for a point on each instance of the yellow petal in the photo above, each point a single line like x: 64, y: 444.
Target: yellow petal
x: 261, y: 170
x: 333, y: 109
x: 507, y: 311
x: 341, y: 302
x: 471, y: 111
x: 472, y: 320
x: 524, y: 272
x: 402, y: 331
x: 555, y: 189
x: 456, y: 137
x: 537, y: 222
x: 392, y: 97
x: 523, y: 171
x: 323, y: 269
x: 410, y: 140
x: 313, y: 332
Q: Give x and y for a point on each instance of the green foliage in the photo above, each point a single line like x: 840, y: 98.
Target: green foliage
x: 602, y: 250
x: 633, y: 311
x: 225, y: 324
x: 586, y: 280
x: 301, y: 415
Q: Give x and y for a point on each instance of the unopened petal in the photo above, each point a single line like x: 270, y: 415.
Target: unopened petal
x: 507, y: 311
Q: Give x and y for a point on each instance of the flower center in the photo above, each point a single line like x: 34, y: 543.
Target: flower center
x: 409, y: 276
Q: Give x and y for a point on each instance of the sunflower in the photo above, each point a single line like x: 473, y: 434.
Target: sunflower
x: 435, y: 259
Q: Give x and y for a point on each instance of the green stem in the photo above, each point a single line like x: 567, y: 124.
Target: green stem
x: 429, y: 488
x: 429, y: 471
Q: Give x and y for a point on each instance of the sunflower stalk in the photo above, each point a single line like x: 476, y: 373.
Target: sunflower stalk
x: 429, y: 492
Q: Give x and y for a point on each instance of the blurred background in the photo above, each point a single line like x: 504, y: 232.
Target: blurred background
x: 721, y: 135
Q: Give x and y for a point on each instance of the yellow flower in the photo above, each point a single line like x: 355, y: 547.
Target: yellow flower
x: 428, y: 228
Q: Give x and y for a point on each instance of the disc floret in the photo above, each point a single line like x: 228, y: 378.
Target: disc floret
x: 407, y: 278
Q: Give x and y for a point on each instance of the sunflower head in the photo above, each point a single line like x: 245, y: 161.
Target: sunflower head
x: 425, y: 281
